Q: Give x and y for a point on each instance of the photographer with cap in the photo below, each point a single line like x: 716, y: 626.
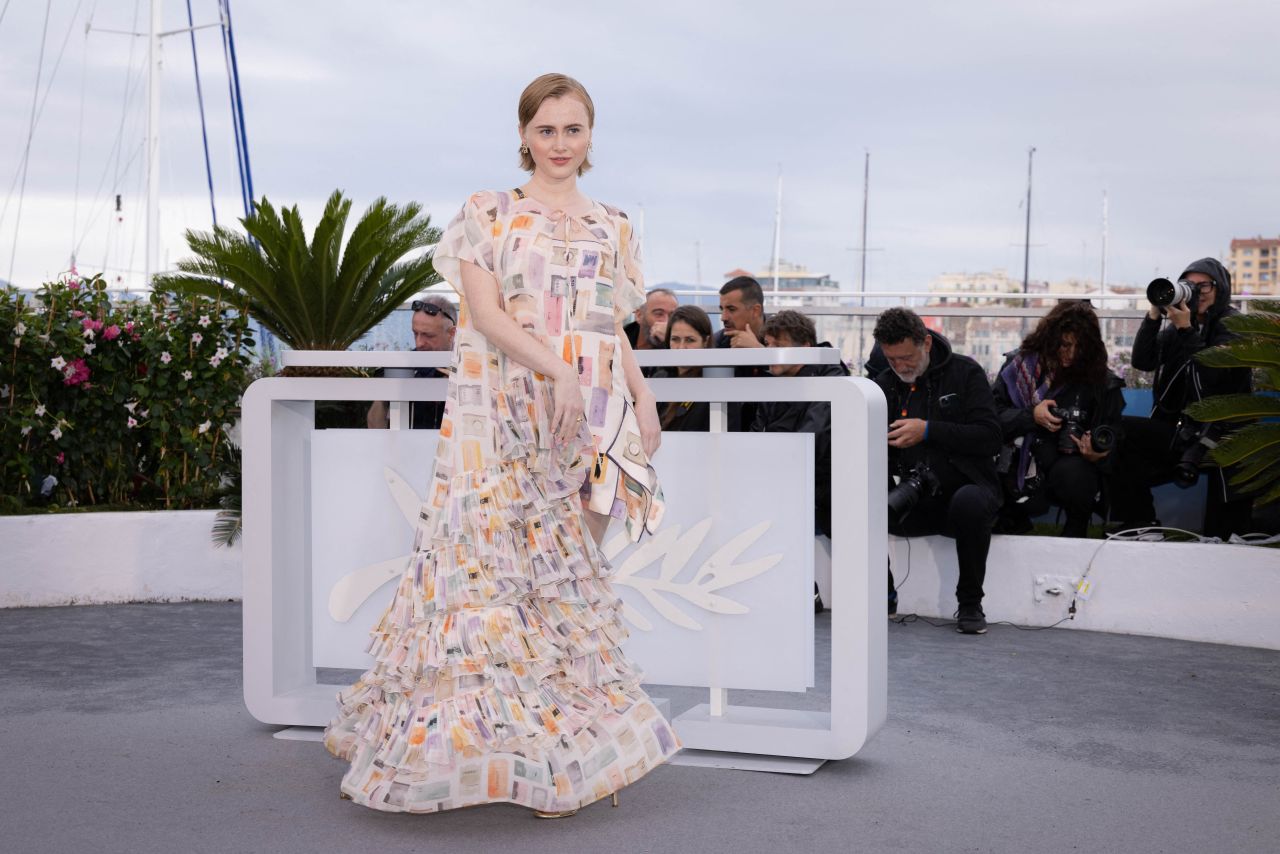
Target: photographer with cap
x: 1170, y: 446
x: 943, y: 439
x: 1059, y: 408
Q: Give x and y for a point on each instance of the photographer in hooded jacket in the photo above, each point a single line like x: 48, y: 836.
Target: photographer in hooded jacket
x: 943, y: 438
x: 1059, y: 408
x: 1170, y: 446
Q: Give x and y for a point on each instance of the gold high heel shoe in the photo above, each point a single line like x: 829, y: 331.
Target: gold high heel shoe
x: 567, y: 813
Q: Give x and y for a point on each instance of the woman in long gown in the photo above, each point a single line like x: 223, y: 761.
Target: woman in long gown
x: 497, y: 675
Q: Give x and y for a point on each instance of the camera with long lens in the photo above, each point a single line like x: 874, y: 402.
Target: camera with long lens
x: 1102, y: 438
x: 1163, y: 293
x: 914, y: 485
x: 1195, y: 439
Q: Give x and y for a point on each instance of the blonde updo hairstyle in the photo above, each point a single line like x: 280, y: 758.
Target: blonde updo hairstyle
x: 552, y: 86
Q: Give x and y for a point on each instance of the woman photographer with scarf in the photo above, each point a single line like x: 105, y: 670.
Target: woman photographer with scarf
x: 1059, y: 408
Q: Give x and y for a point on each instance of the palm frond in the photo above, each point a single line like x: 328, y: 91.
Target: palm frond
x: 1235, y: 407
x: 1244, y: 443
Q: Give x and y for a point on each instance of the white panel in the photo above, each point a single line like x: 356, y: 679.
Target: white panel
x: 722, y: 594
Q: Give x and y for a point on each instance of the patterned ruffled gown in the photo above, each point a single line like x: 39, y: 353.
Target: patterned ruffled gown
x: 497, y: 675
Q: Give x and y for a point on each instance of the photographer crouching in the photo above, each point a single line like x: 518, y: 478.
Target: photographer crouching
x: 1169, y: 445
x: 1059, y: 408
x: 943, y: 438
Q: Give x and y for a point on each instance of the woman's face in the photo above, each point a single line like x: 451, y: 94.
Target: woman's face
x: 558, y: 136
x: 1067, y: 349
x: 685, y: 337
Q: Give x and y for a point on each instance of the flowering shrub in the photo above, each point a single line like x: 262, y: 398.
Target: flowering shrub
x: 117, y: 403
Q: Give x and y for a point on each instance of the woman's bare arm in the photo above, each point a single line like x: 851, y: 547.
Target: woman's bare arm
x: 645, y: 405
x: 480, y: 289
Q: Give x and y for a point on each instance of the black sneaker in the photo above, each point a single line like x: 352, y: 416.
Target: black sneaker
x: 893, y: 602
x: 970, y: 620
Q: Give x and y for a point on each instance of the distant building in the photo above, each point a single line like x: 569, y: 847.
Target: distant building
x: 791, y: 277
x: 1255, y: 265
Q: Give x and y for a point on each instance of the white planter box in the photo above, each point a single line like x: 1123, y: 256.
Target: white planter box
x: 1199, y: 592
x: 94, y: 558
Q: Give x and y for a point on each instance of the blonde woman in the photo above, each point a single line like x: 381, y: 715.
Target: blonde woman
x: 497, y: 674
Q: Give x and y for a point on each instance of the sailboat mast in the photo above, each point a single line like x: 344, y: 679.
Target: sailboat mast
x: 154, y: 61
x: 1103, y: 282
x: 777, y: 233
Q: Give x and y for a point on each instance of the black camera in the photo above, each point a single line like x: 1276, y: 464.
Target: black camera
x: 1103, y: 438
x: 1073, y: 426
x: 1163, y: 293
x: 1195, y: 440
x: 917, y: 483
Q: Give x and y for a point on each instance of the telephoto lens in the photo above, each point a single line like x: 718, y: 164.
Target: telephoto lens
x: 1163, y: 293
x: 1103, y: 438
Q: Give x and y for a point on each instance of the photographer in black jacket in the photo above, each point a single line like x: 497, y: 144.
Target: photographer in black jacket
x: 943, y: 438
x: 1169, y: 445
x: 1059, y: 408
x: 793, y: 329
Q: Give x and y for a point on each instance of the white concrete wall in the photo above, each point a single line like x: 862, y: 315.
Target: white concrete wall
x: 1217, y: 593
x: 92, y: 558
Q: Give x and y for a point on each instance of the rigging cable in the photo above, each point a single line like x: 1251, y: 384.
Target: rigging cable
x: 26, y: 157
x: 44, y: 99
x: 237, y: 109
x: 204, y: 130
x: 84, y: 76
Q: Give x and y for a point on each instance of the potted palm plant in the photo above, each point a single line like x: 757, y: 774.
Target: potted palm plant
x: 1254, y: 449
x: 313, y: 294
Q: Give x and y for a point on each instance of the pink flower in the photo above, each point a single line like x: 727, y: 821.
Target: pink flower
x: 61, y: 458
x: 77, y: 313
x: 165, y: 358
x: 76, y: 373
x: 73, y: 285
x: 111, y: 333
x: 128, y: 327
x: 196, y: 338
x: 133, y: 422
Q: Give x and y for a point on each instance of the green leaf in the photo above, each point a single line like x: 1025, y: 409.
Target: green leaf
x: 1242, y: 352
x: 1246, y: 442
x: 1235, y: 407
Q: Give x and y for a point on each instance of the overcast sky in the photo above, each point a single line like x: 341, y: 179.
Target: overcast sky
x: 1170, y: 106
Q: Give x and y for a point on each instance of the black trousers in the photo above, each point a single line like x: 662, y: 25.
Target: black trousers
x: 1072, y: 484
x: 1148, y: 460
x: 966, y: 516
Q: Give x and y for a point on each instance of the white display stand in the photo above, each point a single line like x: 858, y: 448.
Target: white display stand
x: 281, y: 617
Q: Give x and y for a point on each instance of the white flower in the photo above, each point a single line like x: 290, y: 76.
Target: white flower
x: 146, y: 413
x: 204, y: 320
x: 40, y: 411
x: 17, y: 342
x: 20, y: 329
x: 196, y: 338
x: 186, y: 375
x: 88, y: 333
x: 88, y: 347
x: 204, y: 428
x: 130, y: 405
x: 55, y: 433
x: 165, y: 358
x: 133, y: 422
x: 44, y: 336
x: 58, y: 363
x: 26, y: 430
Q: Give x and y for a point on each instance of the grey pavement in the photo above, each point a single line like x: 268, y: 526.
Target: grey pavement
x: 122, y: 730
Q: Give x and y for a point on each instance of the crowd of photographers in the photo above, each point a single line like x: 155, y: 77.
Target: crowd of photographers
x: 968, y: 456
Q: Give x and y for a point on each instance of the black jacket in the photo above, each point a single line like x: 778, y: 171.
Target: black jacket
x: 807, y: 417
x: 963, y: 430
x: 1104, y: 404
x: 1179, y: 379
x: 740, y: 416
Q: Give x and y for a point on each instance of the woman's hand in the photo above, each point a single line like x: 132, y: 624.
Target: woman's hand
x: 1045, y: 418
x: 650, y: 425
x: 567, y: 413
x: 1085, y: 446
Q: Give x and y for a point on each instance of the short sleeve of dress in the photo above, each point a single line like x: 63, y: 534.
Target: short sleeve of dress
x: 469, y: 237
x: 628, y: 286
